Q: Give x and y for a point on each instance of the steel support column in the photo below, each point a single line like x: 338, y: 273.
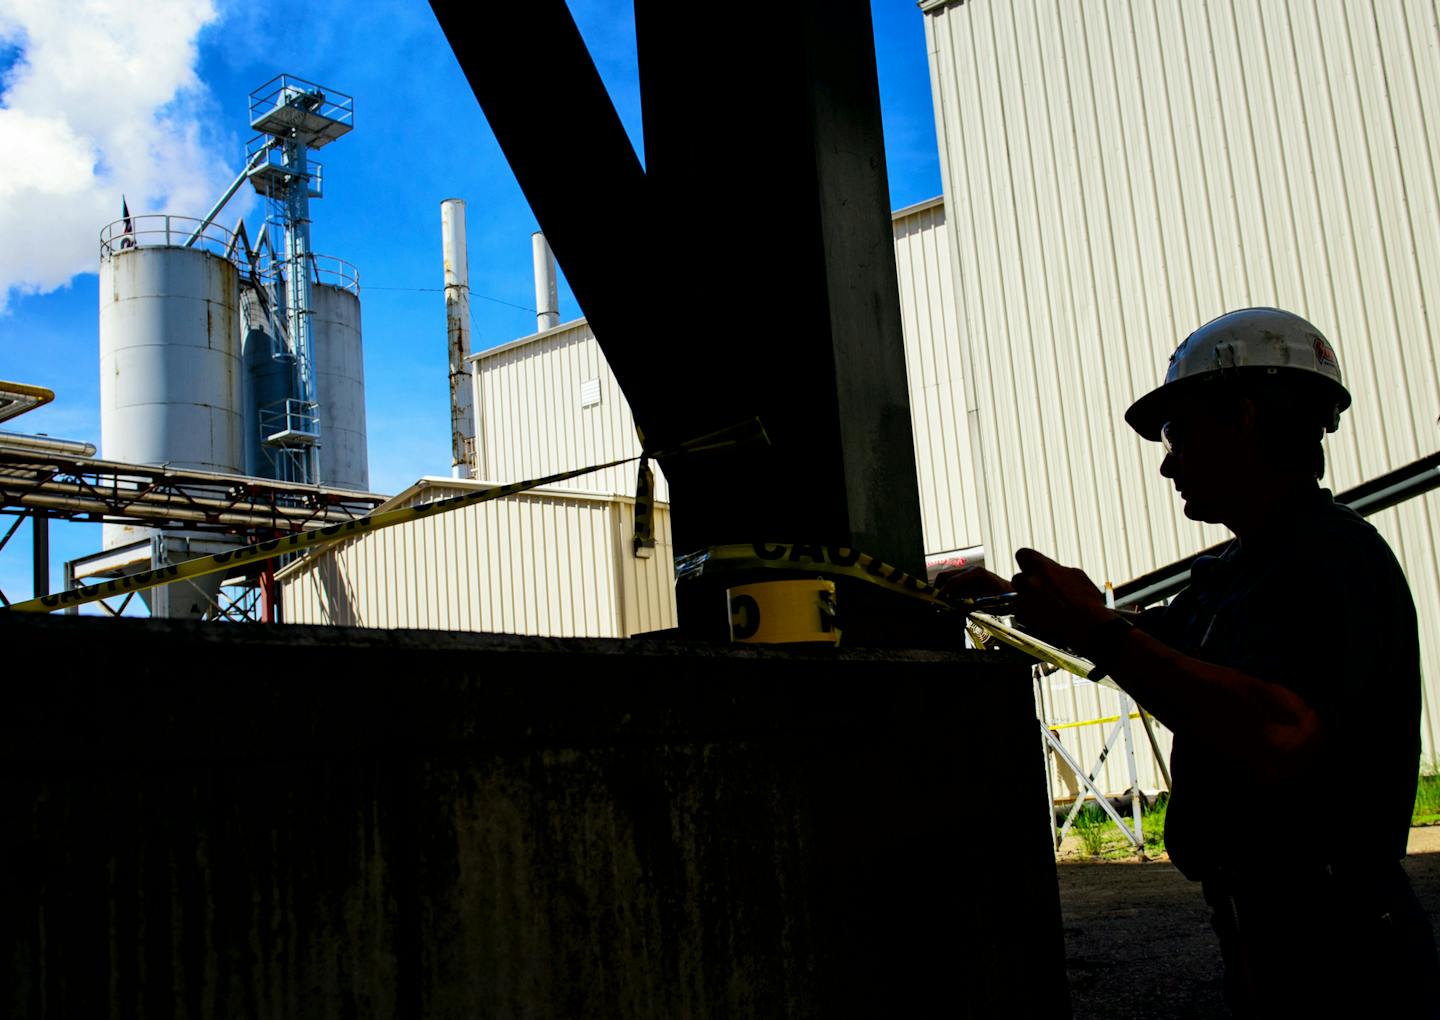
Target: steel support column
x: 40, y: 545
x: 764, y: 139
x: 269, y: 595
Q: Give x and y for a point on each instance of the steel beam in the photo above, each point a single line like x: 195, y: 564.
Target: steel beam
x: 536, y: 83
x: 40, y: 550
x: 764, y: 141
x: 72, y: 488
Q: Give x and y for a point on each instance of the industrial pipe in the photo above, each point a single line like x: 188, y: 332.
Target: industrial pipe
x: 45, y: 444
x: 1407, y: 482
x: 250, y: 165
x: 457, y: 330
x: 547, y: 300
x: 152, y: 510
x: 77, y: 498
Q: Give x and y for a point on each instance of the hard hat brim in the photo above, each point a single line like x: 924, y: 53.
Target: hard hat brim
x: 1150, y: 413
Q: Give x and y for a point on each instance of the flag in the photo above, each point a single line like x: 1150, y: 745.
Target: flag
x: 127, y: 236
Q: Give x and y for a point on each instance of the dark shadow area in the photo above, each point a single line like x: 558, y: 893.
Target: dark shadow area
x: 319, y: 822
x: 1138, y: 944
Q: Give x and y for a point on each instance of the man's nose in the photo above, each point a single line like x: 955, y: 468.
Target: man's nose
x: 1168, y: 465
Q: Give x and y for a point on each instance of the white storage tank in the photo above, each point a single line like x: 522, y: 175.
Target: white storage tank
x: 340, y: 379
x: 170, y: 378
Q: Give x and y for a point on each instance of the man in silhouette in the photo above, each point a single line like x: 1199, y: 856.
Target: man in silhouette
x: 1289, y: 673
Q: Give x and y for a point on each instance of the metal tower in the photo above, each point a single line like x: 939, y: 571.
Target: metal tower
x: 293, y: 116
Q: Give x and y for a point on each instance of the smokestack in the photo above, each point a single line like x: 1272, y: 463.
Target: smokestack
x: 457, y: 329
x: 547, y: 303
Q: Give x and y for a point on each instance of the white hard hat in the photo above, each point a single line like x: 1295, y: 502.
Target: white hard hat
x: 1241, y: 345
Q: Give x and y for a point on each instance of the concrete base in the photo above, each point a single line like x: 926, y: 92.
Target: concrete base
x: 206, y: 820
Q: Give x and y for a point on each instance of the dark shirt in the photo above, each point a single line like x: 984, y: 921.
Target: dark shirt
x: 1316, y: 603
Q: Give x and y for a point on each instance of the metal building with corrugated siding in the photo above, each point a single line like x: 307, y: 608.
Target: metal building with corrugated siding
x: 550, y: 562
x: 548, y: 403
x: 949, y: 500
x: 1117, y: 174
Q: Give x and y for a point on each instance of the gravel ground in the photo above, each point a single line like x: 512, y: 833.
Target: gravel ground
x: 1138, y: 942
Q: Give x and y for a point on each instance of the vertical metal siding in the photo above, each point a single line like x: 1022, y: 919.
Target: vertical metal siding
x: 1117, y: 173
x: 949, y: 500
x: 530, y: 422
x: 541, y: 563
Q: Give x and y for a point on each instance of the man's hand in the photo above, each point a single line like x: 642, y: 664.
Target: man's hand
x: 970, y: 583
x: 1265, y: 726
x: 1057, y: 603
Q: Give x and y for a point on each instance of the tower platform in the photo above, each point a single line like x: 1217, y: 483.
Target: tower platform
x: 287, y: 106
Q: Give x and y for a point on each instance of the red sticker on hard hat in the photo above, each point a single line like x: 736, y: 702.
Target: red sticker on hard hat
x: 1324, y: 353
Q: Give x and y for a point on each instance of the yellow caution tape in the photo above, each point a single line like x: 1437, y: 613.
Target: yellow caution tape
x: 1089, y: 722
x: 203, y: 565
x: 744, y: 432
x: 827, y: 560
x: 831, y: 561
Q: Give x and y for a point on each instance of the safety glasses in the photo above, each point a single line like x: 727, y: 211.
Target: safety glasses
x: 1170, y: 438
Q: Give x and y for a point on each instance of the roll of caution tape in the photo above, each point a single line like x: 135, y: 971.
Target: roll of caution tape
x: 825, y: 560
x: 783, y: 612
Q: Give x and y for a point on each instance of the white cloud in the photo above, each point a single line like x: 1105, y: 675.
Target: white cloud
x: 103, y: 99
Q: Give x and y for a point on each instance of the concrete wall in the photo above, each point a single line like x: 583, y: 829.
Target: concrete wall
x: 346, y: 823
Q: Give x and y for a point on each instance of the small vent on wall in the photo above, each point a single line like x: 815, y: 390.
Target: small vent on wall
x: 590, y: 393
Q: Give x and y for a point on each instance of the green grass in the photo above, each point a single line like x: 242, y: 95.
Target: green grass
x: 1427, y: 801
x: 1102, y: 838
x: 1155, y: 826
x: 1095, y: 829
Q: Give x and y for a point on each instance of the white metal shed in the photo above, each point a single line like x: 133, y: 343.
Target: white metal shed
x: 549, y: 562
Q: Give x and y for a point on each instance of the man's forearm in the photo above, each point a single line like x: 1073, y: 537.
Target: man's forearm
x: 1263, y: 725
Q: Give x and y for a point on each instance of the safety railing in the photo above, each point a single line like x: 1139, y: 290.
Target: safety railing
x: 291, y: 423
x: 162, y: 230
x: 271, y: 177
x: 326, y: 269
x: 288, y: 90
x: 335, y: 272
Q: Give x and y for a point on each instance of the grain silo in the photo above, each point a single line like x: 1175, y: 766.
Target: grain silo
x: 170, y: 374
x: 170, y: 370
x: 222, y: 356
x: 340, y: 376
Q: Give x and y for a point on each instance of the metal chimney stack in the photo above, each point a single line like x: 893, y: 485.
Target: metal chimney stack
x: 457, y: 329
x: 547, y: 301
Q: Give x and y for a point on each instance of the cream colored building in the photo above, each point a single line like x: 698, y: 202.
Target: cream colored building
x: 557, y: 562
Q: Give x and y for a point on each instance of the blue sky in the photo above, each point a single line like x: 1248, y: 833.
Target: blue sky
x: 153, y: 104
